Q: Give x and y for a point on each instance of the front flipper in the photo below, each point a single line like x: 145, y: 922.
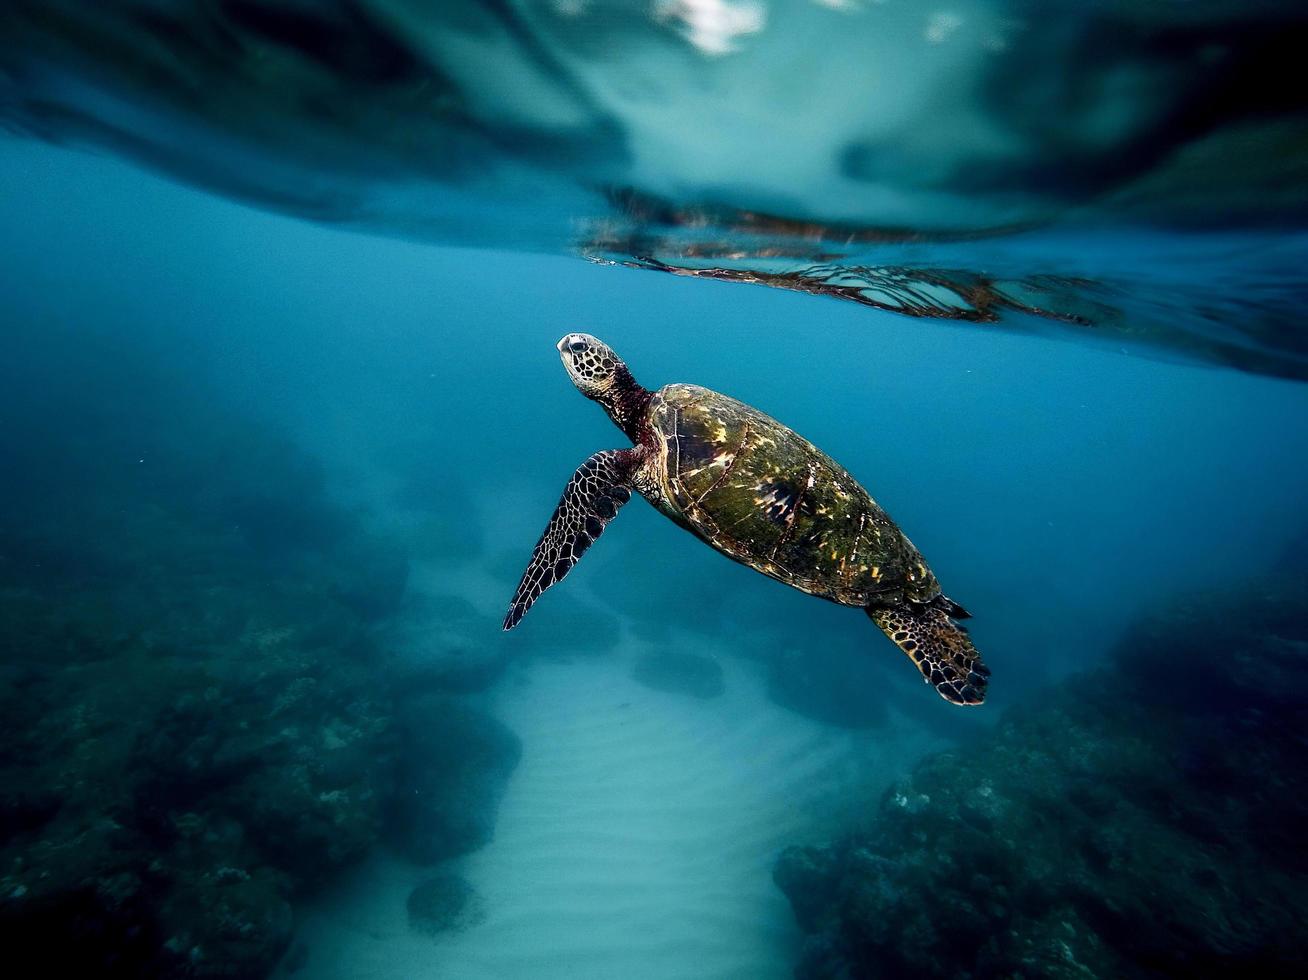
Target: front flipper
x: 940, y: 648
x: 591, y: 499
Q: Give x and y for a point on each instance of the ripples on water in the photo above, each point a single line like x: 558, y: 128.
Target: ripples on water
x: 979, y: 161
x: 266, y: 486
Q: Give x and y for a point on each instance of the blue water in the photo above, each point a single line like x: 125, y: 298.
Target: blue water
x: 268, y: 485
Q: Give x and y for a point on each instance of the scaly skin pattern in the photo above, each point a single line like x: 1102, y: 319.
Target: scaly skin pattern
x: 768, y: 498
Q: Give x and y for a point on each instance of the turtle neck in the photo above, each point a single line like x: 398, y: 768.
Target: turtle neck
x: 627, y: 403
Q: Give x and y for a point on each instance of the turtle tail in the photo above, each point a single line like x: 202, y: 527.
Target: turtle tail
x: 940, y: 648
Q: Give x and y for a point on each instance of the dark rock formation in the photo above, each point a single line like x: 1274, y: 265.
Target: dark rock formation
x: 167, y: 792
x: 198, y: 723
x: 445, y: 903
x: 184, y: 754
x: 456, y: 761
x: 680, y: 673
x: 1143, y: 820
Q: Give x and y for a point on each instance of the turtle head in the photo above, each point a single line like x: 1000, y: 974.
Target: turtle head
x: 600, y: 375
x: 591, y: 364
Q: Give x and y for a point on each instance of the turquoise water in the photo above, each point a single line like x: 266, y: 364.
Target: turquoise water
x: 269, y: 484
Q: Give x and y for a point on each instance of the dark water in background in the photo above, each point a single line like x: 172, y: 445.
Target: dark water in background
x: 268, y: 485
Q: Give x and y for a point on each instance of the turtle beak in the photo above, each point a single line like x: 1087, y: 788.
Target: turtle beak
x: 562, y: 344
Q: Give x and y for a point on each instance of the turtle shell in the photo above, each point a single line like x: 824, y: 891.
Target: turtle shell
x: 763, y: 495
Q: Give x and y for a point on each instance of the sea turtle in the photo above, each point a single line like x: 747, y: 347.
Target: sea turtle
x: 760, y: 494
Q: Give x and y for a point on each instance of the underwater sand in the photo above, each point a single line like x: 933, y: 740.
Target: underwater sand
x: 635, y: 839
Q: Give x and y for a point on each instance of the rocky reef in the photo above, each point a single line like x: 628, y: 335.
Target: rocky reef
x: 180, y: 758
x: 456, y: 761
x: 207, y: 697
x: 1141, y: 820
x: 171, y: 782
x: 445, y: 903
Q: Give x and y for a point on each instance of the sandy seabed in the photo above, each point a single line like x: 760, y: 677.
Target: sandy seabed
x: 636, y: 838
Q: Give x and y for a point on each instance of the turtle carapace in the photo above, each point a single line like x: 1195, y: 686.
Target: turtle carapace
x: 762, y: 495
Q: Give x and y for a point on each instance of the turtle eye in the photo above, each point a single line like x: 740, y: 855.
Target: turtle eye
x: 577, y: 346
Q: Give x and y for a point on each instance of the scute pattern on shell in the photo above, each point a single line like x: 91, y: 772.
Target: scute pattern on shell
x: 591, y: 499
x: 766, y: 497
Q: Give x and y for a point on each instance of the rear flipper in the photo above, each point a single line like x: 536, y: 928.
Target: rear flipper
x: 940, y: 647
